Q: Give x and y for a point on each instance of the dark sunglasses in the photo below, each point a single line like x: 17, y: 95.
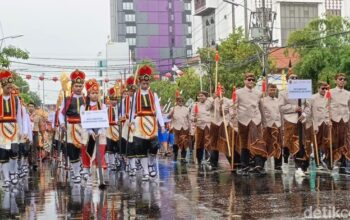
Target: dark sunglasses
x: 342, y: 79
x: 324, y: 88
x: 250, y: 80
x: 293, y: 77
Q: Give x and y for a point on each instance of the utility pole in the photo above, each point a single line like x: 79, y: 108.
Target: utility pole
x: 246, y: 29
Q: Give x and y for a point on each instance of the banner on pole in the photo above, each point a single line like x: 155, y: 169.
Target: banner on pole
x: 299, y: 89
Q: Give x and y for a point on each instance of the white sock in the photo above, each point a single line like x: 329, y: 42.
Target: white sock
x: 151, y: 159
x: 144, y: 163
x: 13, y: 163
x: 111, y: 159
x: 132, y: 163
x: 6, y: 170
x: 76, y: 169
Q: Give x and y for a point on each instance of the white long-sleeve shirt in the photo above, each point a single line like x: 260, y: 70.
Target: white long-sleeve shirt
x: 159, y: 115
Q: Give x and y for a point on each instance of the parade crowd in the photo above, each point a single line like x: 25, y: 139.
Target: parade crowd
x: 248, y: 129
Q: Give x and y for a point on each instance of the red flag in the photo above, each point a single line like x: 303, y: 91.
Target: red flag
x: 263, y: 86
x: 217, y: 57
x: 196, y: 109
x: 234, y: 95
x: 328, y: 94
x: 219, y: 90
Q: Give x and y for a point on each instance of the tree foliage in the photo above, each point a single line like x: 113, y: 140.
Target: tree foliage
x: 237, y: 56
x: 324, y: 48
x: 11, y: 52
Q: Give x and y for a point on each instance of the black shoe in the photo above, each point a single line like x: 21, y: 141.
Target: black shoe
x: 258, y: 170
x: 278, y: 168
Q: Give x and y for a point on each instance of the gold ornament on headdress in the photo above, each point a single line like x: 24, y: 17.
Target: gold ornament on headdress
x: 65, y: 83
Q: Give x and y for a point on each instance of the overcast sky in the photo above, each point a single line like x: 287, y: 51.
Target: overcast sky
x: 56, y: 29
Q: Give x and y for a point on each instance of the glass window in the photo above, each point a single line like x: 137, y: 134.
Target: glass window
x: 130, y: 17
x: 189, y: 29
x: 170, y: 29
x: 169, y: 5
x: 187, y: 6
x: 189, y: 53
x: 131, y: 41
x: 188, y: 18
x: 128, y: 5
x: 131, y: 29
x: 188, y: 41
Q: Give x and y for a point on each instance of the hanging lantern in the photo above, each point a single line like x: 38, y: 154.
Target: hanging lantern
x: 28, y: 77
x: 41, y: 78
x: 55, y: 78
x: 156, y: 77
x: 168, y: 75
x: 106, y: 80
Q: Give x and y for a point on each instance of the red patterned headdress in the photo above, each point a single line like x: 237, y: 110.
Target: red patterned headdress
x: 77, y: 76
x: 92, y: 86
x: 145, y: 73
x: 130, y: 83
x: 6, y: 77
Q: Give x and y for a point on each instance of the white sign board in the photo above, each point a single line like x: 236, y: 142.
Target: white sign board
x: 299, y: 89
x: 94, y: 119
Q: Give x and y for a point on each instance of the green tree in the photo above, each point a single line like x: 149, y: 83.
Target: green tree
x: 11, y: 52
x: 237, y: 56
x: 324, y: 48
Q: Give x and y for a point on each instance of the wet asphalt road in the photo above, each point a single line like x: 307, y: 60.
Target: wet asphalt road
x: 182, y: 192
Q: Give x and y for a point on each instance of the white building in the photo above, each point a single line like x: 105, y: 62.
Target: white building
x: 214, y: 20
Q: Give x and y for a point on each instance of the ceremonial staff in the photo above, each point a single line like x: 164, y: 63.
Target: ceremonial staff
x: 234, y: 98
x: 224, y: 119
x: 131, y: 109
x: 65, y: 89
x: 329, y: 97
x: 118, y: 88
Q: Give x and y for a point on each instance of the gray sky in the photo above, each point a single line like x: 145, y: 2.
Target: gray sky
x: 55, y: 29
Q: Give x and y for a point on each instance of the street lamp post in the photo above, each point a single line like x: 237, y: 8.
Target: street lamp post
x: 9, y: 37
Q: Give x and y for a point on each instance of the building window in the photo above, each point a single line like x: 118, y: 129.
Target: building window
x: 128, y: 6
x: 129, y: 17
x: 172, y: 17
x: 131, y: 41
x: 188, y: 41
x: 187, y: 6
x: 189, y: 30
x: 188, y: 18
x: 170, y: 5
x: 131, y: 29
x: 209, y: 36
x: 295, y: 16
x: 189, y: 53
x: 170, y: 29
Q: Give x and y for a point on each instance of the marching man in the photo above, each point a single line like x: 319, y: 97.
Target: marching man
x: 88, y: 152
x: 10, y: 128
x: 145, y: 119
x: 113, y: 130
x: 180, y: 123
x: 200, y: 115
x: 250, y: 127
x: 70, y: 114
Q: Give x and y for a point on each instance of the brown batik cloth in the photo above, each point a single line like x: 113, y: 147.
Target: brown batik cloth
x: 251, y: 137
x: 181, y: 138
x: 273, y: 139
x: 218, y: 138
x: 340, y: 140
x: 203, y: 138
x: 291, y: 140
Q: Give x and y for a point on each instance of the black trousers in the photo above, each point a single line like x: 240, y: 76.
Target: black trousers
x: 12, y: 153
x: 73, y: 153
x: 23, y: 150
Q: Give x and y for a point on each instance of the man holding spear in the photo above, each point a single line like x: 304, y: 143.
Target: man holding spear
x: 146, y: 115
x: 339, y: 115
x: 70, y: 122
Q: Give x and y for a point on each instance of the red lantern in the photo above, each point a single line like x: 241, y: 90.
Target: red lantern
x: 55, y: 78
x: 156, y: 77
x: 168, y: 75
x: 106, y: 80
x: 28, y: 77
x: 41, y: 78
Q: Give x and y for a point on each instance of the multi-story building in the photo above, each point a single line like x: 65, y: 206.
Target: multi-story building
x: 214, y: 20
x: 157, y: 30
